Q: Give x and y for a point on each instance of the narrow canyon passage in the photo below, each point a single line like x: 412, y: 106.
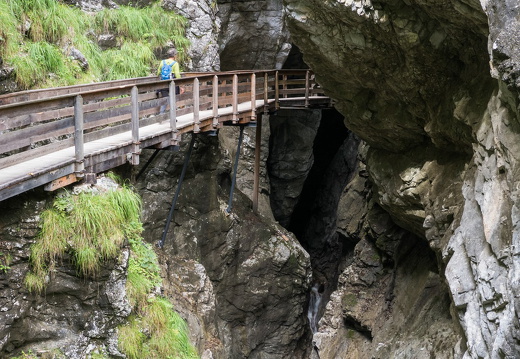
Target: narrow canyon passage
x: 308, y: 175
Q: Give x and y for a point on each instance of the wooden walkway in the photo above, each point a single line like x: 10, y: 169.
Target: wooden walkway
x: 54, y: 137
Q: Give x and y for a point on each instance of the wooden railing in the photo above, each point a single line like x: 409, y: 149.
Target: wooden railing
x: 66, y: 127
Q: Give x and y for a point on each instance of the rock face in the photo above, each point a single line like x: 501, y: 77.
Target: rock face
x: 7, y: 82
x: 390, y: 301
x: 254, y: 34
x: 380, y: 283
x: 414, y: 80
x: 291, y: 159
x: 76, y: 316
x: 203, y: 31
x: 243, y: 277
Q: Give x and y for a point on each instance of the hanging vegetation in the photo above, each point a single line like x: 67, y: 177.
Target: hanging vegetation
x: 91, y: 227
x: 37, y: 38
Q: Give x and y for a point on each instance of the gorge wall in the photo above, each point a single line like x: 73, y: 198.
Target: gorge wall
x: 402, y: 210
x: 431, y: 87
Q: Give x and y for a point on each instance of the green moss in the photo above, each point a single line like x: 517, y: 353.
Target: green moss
x: 292, y: 262
x: 349, y: 300
x: 40, y: 53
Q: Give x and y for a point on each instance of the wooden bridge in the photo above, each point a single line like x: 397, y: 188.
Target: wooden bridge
x: 54, y: 137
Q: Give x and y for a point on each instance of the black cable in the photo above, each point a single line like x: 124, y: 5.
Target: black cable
x: 147, y: 164
x: 181, y: 178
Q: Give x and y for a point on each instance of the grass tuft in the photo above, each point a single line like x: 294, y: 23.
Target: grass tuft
x: 34, y: 282
x: 166, y: 333
x: 39, y: 52
x: 132, y: 339
x: 138, y: 286
x: 91, y: 227
x: 132, y: 60
x: 87, y: 260
x: 10, y: 37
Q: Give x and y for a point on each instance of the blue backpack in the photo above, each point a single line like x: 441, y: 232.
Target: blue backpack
x: 166, y: 70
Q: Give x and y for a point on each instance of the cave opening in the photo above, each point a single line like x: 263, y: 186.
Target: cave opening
x: 330, y: 136
x: 309, y: 166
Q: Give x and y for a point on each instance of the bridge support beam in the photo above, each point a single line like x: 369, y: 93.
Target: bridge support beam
x: 235, y: 168
x: 136, y: 149
x: 256, y: 169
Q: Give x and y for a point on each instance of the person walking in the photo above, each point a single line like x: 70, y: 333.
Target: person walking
x: 169, y: 69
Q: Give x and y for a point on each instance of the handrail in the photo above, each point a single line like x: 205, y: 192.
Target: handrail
x: 48, y: 121
x: 29, y: 95
x: 111, y: 106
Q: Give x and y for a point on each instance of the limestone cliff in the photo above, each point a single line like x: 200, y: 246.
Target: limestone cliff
x: 253, y: 34
x: 202, y: 32
x: 431, y: 87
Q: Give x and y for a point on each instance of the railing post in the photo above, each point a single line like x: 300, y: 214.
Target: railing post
x: 135, y: 127
x: 215, y: 101
x: 266, y: 92
x: 79, y: 153
x: 307, y: 88
x: 196, y: 100
x: 235, y: 98
x: 253, y: 97
x: 173, y: 114
x: 284, y: 85
x: 276, y: 92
